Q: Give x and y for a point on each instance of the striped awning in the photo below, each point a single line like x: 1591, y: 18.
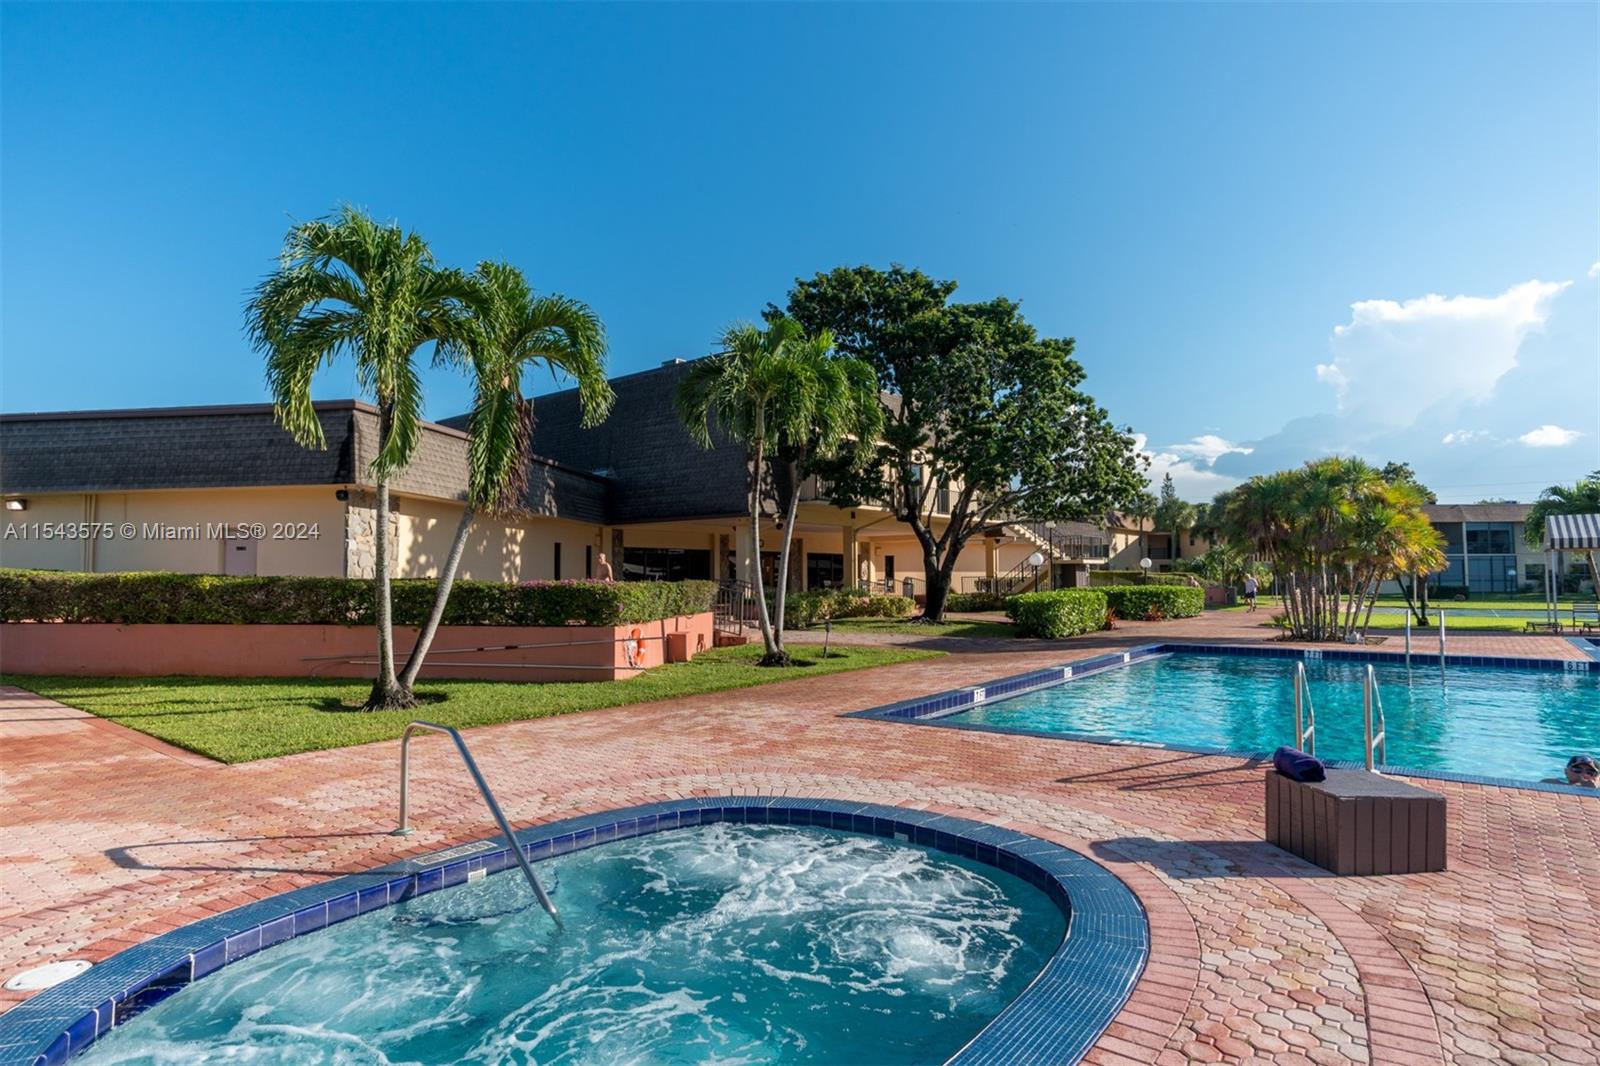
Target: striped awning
x: 1572, y: 532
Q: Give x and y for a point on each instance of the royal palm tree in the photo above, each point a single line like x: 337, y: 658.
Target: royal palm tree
x: 787, y: 399
x: 509, y: 330
x: 348, y: 285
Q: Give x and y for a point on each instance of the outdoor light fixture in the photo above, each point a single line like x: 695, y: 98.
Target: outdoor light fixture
x: 16, y: 504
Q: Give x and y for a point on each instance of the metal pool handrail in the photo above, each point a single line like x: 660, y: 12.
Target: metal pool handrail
x: 1305, y: 712
x: 488, y: 798
x: 1371, y: 698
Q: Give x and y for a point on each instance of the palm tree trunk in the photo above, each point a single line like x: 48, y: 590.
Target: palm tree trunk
x: 783, y: 570
x: 441, y: 597
x: 386, y: 691
x: 763, y: 618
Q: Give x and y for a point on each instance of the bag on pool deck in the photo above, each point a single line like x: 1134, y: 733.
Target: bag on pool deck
x: 1296, y: 765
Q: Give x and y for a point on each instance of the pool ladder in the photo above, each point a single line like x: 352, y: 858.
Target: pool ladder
x: 488, y: 798
x: 1305, y: 713
x: 1371, y: 700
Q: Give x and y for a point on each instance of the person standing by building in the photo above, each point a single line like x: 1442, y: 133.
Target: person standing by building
x: 602, y: 568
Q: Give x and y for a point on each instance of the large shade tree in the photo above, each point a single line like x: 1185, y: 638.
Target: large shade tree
x: 983, y: 419
x: 510, y: 329
x: 1332, y: 531
x: 350, y: 286
x: 790, y: 400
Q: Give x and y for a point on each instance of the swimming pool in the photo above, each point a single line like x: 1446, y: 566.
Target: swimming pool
x: 759, y: 929
x: 1473, y: 718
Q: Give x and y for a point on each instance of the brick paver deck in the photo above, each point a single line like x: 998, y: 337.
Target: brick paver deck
x: 110, y: 838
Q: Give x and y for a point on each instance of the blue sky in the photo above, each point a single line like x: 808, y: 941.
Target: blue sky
x: 1215, y: 200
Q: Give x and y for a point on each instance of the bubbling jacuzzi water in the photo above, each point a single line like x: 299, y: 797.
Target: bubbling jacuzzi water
x: 725, y: 943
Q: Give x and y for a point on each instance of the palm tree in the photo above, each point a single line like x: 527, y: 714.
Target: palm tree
x: 788, y: 400
x: 1580, y: 498
x: 1333, y: 531
x: 349, y: 285
x: 510, y: 329
x: 1143, y: 510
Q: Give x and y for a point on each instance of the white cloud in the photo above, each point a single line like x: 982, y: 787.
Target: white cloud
x: 1594, y: 271
x: 1393, y: 359
x: 1208, y: 448
x: 1189, y: 464
x: 1466, y: 436
x: 1549, y: 436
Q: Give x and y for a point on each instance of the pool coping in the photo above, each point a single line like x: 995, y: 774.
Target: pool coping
x: 1058, y: 1017
x: 935, y: 709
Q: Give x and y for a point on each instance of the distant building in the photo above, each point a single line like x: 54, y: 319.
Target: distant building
x: 1485, y: 550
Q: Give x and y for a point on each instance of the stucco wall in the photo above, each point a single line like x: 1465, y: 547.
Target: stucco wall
x: 568, y: 653
x: 168, y: 530
x: 309, y: 533
x: 498, y: 549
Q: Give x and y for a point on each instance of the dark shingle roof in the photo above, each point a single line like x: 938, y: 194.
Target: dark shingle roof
x: 656, y: 470
x: 1477, y: 512
x: 234, y: 447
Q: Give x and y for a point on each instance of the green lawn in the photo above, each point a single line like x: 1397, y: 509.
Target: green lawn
x: 954, y: 627
x: 1452, y: 622
x: 240, y: 719
x: 1497, y: 603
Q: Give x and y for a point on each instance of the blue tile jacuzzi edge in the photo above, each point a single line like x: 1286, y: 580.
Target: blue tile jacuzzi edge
x: 1057, y: 1018
x: 935, y: 709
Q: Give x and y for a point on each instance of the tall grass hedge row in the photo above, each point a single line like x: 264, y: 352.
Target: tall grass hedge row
x: 1062, y: 613
x: 1099, y: 578
x: 802, y: 610
x: 135, y: 598
x: 1154, y: 602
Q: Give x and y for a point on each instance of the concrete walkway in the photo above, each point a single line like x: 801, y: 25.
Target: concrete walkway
x: 110, y: 838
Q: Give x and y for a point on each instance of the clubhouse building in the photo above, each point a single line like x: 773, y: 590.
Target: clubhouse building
x: 225, y: 490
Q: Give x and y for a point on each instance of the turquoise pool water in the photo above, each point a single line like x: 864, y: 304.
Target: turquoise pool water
x: 1486, y: 721
x: 725, y: 943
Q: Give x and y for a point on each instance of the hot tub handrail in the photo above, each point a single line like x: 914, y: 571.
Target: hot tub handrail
x: 488, y: 798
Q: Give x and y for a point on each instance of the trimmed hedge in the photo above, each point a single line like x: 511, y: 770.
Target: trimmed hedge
x: 131, y: 599
x: 1115, y: 578
x: 1154, y: 602
x: 802, y: 610
x: 1062, y: 613
x: 975, y: 601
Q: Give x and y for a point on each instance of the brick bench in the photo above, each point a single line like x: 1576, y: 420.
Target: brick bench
x: 1357, y: 823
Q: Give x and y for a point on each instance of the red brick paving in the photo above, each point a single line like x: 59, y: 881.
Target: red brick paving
x: 112, y: 838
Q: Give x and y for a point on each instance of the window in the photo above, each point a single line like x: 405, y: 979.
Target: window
x: 666, y: 564
x: 557, y: 566
x: 588, y: 560
x: 1492, y: 573
x: 888, y: 568
x: 1451, y: 531
x: 824, y: 571
x: 1491, y: 538
x: 1452, y: 579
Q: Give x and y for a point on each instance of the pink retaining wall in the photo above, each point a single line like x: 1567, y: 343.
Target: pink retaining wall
x: 93, y: 650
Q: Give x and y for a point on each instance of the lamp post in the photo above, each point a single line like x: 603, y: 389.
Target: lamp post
x: 1145, y: 564
x: 1036, y: 560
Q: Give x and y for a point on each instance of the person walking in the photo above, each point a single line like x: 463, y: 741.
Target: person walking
x: 602, y: 568
x: 1250, y: 588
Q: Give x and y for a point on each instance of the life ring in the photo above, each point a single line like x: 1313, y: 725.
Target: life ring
x: 633, y: 648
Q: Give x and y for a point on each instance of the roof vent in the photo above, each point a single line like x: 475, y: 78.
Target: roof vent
x: 672, y: 362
